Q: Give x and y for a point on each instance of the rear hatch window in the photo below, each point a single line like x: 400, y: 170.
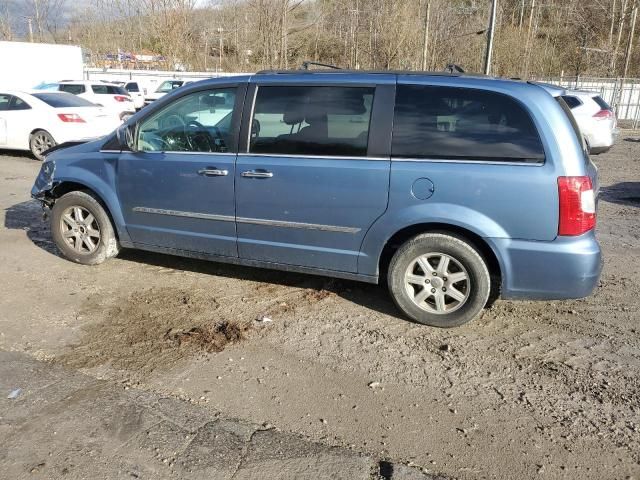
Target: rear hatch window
x: 601, y: 102
x: 63, y: 100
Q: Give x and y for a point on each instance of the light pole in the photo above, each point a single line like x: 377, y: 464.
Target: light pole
x: 492, y: 26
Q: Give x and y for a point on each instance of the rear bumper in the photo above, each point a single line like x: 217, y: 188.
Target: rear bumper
x: 568, y: 267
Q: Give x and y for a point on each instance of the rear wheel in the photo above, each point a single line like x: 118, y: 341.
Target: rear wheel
x: 439, y: 280
x: 40, y: 142
x: 82, y: 230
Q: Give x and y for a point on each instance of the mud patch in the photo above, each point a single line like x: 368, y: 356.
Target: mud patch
x: 153, y: 329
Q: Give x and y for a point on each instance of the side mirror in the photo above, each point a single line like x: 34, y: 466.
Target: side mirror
x: 125, y: 136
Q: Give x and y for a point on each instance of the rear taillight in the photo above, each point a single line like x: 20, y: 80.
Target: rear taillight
x: 577, y: 206
x: 121, y: 98
x: 603, y: 115
x: 71, y: 118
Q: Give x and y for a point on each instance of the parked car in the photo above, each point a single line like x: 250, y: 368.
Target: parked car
x: 452, y: 189
x: 38, y: 121
x: 135, y: 92
x: 107, y: 95
x: 595, y: 117
x: 165, y: 87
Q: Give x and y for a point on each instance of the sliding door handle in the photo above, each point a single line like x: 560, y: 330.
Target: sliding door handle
x: 213, y: 172
x: 257, y: 174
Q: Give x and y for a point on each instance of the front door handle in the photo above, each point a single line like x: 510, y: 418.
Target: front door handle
x: 257, y: 174
x: 213, y: 172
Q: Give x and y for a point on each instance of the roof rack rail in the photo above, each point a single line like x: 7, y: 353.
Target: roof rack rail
x: 306, y: 64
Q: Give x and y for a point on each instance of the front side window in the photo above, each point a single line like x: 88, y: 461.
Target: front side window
x: 462, y: 124
x: 74, y: 88
x: 198, y: 122
x: 321, y: 121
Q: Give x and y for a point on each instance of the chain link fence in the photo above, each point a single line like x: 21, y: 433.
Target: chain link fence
x: 623, y: 94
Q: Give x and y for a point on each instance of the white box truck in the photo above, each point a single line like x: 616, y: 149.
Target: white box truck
x: 25, y: 65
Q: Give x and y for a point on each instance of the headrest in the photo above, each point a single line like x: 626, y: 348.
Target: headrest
x: 293, y: 113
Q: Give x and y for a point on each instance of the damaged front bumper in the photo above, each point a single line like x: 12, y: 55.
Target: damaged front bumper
x: 43, y: 187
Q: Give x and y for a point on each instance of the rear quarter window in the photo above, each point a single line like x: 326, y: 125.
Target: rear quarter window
x: 73, y: 88
x: 433, y: 122
x: 108, y: 90
x: 572, y: 102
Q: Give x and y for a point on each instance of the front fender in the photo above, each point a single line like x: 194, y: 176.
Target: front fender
x: 95, y: 174
x: 432, y: 213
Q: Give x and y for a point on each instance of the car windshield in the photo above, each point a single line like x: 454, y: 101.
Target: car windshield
x: 52, y: 87
x: 63, y: 100
x: 169, y: 85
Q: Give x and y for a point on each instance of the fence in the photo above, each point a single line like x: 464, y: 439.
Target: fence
x: 623, y: 94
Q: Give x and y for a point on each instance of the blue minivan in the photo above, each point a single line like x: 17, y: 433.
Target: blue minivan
x: 455, y: 189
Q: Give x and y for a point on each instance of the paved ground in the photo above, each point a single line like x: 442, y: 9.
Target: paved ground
x: 528, y: 389
x: 61, y: 424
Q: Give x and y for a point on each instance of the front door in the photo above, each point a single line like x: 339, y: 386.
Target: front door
x: 177, y: 190
x: 309, y: 187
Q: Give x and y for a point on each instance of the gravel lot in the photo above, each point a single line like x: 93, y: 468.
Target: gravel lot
x: 529, y: 389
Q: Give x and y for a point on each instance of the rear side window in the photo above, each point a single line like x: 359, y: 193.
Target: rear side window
x: 601, y: 103
x: 133, y: 87
x: 19, y: 104
x: 462, y: 124
x: 74, y: 88
x: 108, y: 90
x: 572, y: 102
x: 62, y: 100
x: 321, y: 121
x: 4, y: 102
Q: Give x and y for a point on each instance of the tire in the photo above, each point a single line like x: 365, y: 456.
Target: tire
x: 39, y: 142
x: 432, y: 291
x: 81, y: 238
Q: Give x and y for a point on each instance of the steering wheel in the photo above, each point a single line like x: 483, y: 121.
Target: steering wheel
x: 208, y: 143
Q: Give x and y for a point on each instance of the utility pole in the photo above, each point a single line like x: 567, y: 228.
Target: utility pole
x: 492, y: 27
x: 30, y: 23
x: 425, y: 42
x: 627, y: 56
x: 220, y: 48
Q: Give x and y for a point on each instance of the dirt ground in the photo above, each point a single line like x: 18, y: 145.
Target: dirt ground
x: 529, y: 389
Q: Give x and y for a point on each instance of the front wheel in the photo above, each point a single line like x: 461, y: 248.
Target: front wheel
x: 40, y: 142
x: 82, y: 229
x: 439, y: 280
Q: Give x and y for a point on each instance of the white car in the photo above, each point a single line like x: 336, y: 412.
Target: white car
x: 40, y: 120
x: 595, y: 117
x: 164, y: 88
x: 108, y: 95
x: 135, y: 92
